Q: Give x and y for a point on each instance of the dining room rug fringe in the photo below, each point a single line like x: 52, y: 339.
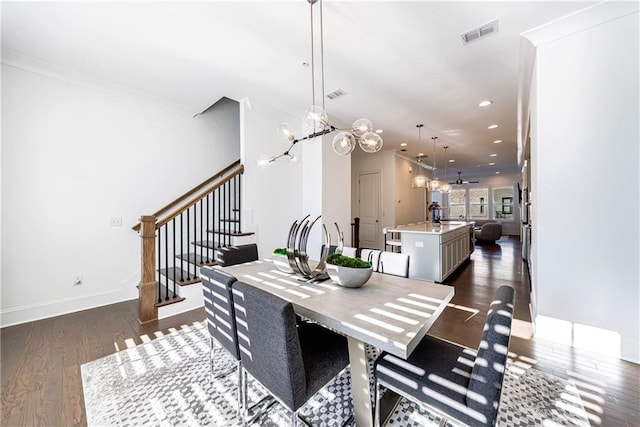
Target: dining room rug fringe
x: 168, y: 382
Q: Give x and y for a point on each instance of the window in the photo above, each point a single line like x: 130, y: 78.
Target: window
x: 479, y: 203
x: 457, y: 204
x: 503, y: 203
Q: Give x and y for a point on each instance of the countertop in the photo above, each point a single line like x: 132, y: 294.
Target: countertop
x: 429, y: 228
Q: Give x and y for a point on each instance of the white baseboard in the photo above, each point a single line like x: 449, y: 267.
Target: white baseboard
x: 44, y: 310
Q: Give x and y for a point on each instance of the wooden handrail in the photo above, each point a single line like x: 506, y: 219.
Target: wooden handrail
x: 197, y: 198
x: 193, y: 190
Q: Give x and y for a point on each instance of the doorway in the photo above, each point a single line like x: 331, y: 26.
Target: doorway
x: 369, y: 209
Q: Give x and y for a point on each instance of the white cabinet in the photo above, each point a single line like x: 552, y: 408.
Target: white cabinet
x: 435, y: 253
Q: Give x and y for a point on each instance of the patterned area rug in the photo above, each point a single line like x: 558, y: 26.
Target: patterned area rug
x: 168, y: 382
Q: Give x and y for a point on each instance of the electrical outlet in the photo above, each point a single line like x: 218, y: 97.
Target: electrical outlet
x: 115, y: 221
x: 76, y: 279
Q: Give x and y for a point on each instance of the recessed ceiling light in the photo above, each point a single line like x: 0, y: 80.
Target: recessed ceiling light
x: 492, y: 127
x: 451, y: 160
x: 379, y: 131
x: 497, y: 173
x: 485, y: 103
x: 493, y: 155
x: 420, y: 154
x: 497, y: 141
x: 404, y: 144
x: 492, y: 163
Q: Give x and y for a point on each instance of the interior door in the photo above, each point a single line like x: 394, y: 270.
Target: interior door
x: 369, y: 209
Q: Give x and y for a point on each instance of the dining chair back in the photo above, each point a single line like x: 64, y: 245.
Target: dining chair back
x: 292, y: 361
x: 455, y: 382
x: 394, y: 263
x: 237, y: 254
x: 220, y: 317
x: 372, y: 256
x: 349, y: 251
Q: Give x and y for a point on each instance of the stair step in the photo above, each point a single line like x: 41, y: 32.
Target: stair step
x: 170, y: 300
x: 231, y: 233
x: 175, y: 273
x: 207, y: 244
x: 196, y: 259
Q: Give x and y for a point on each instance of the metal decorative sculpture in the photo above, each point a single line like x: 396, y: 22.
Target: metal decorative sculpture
x: 297, y: 249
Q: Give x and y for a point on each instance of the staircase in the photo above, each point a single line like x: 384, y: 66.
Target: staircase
x: 182, y: 236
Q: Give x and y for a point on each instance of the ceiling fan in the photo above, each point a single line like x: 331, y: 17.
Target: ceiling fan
x: 460, y: 181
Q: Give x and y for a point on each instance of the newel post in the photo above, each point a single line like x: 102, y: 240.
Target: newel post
x: 147, y: 296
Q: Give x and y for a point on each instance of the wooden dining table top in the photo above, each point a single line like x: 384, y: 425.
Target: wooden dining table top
x: 389, y: 312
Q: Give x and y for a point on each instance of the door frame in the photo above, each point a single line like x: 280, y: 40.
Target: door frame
x: 380, y: 199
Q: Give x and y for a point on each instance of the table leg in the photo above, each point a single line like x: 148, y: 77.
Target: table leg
x: 360, y: 391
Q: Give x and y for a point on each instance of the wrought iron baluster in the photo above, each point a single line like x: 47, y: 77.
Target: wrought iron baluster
x: 207, y: 223
x: 187, y: 242
x: 181, y: 240
x: 226, y: 209
x: 159, y: 267
x: 201, y: 233
x: 240, y: 203
x: 173, y: 223
x: 217, y: 233
x: 166, y: 261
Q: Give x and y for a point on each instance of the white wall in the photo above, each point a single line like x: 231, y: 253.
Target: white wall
x: 74, y: 155
x: 410, y: 203
x: 585, y: 158
x: 336, y: 192
x: 272, y: 196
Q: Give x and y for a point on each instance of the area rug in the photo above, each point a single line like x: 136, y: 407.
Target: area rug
x: 168, y: 382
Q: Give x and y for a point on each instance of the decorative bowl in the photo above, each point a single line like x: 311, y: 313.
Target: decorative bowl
x: 282, y: 263
x: 349, y: 277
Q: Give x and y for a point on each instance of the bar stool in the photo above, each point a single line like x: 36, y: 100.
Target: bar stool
x: 392, y: 240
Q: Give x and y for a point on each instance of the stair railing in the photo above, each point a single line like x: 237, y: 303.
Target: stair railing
x: 212, y: 208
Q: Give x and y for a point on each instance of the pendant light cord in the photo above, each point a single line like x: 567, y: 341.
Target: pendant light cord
x: 322, y: 54
x: 313, y: 65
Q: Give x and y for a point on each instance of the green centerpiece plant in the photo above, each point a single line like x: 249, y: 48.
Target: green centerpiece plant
x: 348, y: 272
x: 345, y: 261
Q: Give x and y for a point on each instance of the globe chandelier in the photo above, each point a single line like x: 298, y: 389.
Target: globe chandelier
x: 316, y: 120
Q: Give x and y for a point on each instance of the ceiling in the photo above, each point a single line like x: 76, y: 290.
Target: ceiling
x: 400, y: 63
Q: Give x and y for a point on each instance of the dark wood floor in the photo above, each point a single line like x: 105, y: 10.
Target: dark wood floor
x: 40, y: 365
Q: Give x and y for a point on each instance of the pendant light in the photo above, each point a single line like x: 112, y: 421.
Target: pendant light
x: 434, y: 185
x: 316, y: 121
x: 419, y: 180
x: 445, y: 188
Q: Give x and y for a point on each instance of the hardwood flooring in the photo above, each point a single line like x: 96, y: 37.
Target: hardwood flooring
x: 40, y: 361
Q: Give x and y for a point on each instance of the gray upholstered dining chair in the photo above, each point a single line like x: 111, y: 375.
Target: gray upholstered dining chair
x: 396, y: 264
x: 221, y: 321
x: 292, y: 361
x: 455, y: 382
x: 372, y: 256
x: 237, y: 254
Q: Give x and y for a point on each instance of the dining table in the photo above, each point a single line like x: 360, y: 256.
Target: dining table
x: 388, y: 312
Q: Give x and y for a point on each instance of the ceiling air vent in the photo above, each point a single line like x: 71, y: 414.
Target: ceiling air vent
x: 336, y: 94
x: 480, y: 32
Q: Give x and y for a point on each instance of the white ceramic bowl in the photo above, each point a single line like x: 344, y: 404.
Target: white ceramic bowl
x: 349, y: 277
x: 282, y: 263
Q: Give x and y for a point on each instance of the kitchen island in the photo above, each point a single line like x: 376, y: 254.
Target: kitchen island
x: 435, y: 251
